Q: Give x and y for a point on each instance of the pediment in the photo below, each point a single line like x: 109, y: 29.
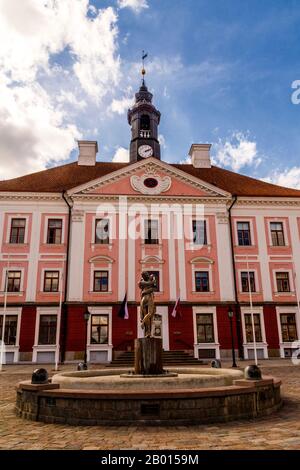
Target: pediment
x: 149, y: 177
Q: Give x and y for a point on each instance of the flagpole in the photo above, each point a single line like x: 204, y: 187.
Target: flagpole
x: 58, y: 323
x: 251, y: 309
x: 4, y: 317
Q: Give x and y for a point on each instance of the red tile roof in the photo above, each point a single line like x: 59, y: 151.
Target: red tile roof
x: 71, y: 175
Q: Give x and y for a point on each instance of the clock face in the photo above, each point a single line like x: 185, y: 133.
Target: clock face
x: 145, y: 151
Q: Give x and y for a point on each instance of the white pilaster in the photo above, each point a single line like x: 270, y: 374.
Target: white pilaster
x: 181, y: 256
x: 122, y: 246
x: 172, y: 260
x: 264, y: 259
x: 76, y: 260
x: 33, y: 257
x: 226, y: 273
x: 131, y: 262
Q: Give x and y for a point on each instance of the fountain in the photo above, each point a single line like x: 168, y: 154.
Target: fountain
x: 148, y: 394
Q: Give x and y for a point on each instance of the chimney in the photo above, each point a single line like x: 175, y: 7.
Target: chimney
x: 87, y: 152
x: 200, y: 155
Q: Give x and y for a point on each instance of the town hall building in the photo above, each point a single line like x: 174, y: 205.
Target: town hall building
x: 74, y: 240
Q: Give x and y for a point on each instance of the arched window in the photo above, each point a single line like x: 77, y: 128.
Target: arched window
x: 145, y: 122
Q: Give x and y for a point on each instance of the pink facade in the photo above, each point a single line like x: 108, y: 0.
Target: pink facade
x: 217, y: 240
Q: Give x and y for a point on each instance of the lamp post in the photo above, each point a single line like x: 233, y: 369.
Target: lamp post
x: 86, y: 317
x: 230, y: 316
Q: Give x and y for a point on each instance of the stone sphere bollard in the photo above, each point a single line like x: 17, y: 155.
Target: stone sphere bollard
x: 216, y: 364
x: 39, y: 376
x: 82, y: 366
x: 252, y: 372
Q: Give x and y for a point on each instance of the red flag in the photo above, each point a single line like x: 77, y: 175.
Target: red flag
x: 176, y: 308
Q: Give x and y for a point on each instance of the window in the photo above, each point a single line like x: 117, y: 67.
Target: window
x: 249, y: 330
x: 10, y: 333
x: 199, y: 232
x: 17, y: 231
x: 277, y: 233
x: 288, y: 327
x: 102, y: 231
x: 244, y: 236
x: 54, y: 232
x: 145, y: 122
x: 99, y: 329
x: 156, y: 277
x: 245, y: 281
x: 205, y: 328
x: 47, y: 331
x: 13, y: 281
x: 151, y: 232
x: 283, y: 282
x: 100, y: 281
x: 51, y: 281
x: 201, y: 281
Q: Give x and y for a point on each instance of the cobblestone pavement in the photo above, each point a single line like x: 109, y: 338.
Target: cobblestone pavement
x: 279, y: 431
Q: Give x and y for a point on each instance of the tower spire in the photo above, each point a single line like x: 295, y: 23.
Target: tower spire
x: 143, y: 119
x: 144, y: 55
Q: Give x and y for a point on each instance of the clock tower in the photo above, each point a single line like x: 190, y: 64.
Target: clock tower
x: 144, y: 119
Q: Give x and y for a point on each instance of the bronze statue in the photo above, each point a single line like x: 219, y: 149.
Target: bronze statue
x: 147, y: 285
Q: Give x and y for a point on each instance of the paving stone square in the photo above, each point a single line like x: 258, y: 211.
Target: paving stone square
x: 279, y: 431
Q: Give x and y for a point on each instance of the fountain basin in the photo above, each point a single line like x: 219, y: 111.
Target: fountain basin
x: 106, y: 397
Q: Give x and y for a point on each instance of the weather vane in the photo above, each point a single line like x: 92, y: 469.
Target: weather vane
x: 144, y: 55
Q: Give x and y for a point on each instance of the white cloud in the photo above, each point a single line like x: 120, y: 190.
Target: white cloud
x: 136, y: 5
x: 31, y: 31
x: 32, y: 131
x: 290, y: 177
x: 237, y: 152
x: 121, y: 106
x: 121, y: 155
x: 162, y: 141
x: 39, y: 94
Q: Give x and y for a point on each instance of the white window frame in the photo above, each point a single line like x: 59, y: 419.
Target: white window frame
x: 291, y: 281
x: 12, y: 268
x: 216, y: 344
x: 261, y: 344
x: 241, y: 220
x: 46, y: 222
x: 60, y: 270
x: 285, y: 233
x: 100, y: 347
x: 14, y: 348
x: 111, y: 230
x: 197, y: 245
x: 143, y: 219
x: 17, y: 216
x: 289, y: 344
x: 196, y: 267
x: 94, y: 268
x: 256, y: 280
x: 43, y: 347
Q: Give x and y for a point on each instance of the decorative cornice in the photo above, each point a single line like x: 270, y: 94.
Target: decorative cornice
x: 268, y: 202
x: 222, y: 217
x: 99, y: 258
x: 14, y: 196
x: 201, y: 259
x: 138, y: 183
x: 77, y: 215
x: 209, y: 200
x: 150, y: 164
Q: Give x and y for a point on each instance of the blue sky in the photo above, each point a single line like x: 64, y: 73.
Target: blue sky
x: 221, y: 72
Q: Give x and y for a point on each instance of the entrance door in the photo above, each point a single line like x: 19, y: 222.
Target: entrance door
x: 160, y: 326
